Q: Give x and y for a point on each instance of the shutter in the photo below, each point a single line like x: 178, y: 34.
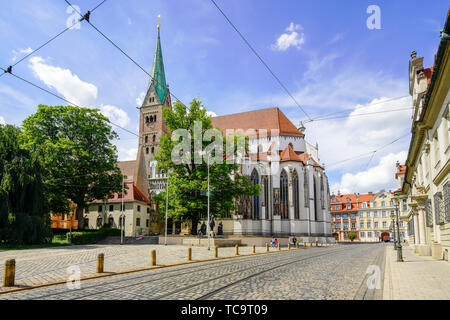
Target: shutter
x: 428, y: 213
x: 447, y: 201
x: 437, y: 202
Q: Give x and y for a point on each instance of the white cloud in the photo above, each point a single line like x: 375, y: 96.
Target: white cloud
x: 126, y: 154
x: 18, y: 52
x: 211, y: 113
x: 69, y: 85
x: 381, y: 176
x: 290, y: 39
x: 115, y: 114
x: 140, y: 99
x: 2, y: 120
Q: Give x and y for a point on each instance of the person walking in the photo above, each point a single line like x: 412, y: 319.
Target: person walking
x: 273, y: 242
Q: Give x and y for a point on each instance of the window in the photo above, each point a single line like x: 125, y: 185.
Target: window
x: 345, y: 216
x: 375, y: 224
x: 383, y: 203
x: 100, y: 208
x: 119, y: 195
x: 146, y: 139
x: 338, y: 225
x: 364, y: 205
x: 349, y: 207
x: 375, y: 214
x: 148, y: 210
x: 138, y: 222
x: 153, y: 150
x: 400, y: 223
x: 361, y: 225
x: 348, y: 199
x: 338, y: 216
x: 383, y: 213
x: 353, y: 225
x: 154, y: 138
x: 255, y: 204
x: 369, y: 224
x: 146, y: 150
x: 333, y: 200
x: 362, y: 234
x: 295, y: 194
x: 122, y: 207
x: 345, y: 225
x: 338, y: 208
x: 384, y: 224
x: 405, y: 207
x: 306, y: 188
x: 391, y: 203
x: 375, y: 204
x: 284, y: 201
x: 368, y: 214
x: 139, y: 208
x: 147, y: 119
x: 369, y: 234
x: 147, y: 223
x: 353, y: 216
x: 111, y: 207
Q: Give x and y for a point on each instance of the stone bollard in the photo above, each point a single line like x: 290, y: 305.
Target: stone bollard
x: 9, y: 274
x: 279, y: 247
x: 216, y: 252
x: 153, y: 258
x: 304, y: 245
x: 296, y: 245
x: 310, y: 244
x: 254, y: 249
x: 267, y: 247
x: 317, y: 243
x: 289, y: 246
x: 237, y: 250
x: 189, y: 254
x: 100, y: 262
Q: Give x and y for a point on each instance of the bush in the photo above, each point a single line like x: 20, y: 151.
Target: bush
x: 93, y: 236
x: 352, y: 236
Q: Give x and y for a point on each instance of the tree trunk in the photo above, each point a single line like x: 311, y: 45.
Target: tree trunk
x: 80, y: 218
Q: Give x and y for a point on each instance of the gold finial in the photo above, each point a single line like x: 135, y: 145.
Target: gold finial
x: 158, y: 21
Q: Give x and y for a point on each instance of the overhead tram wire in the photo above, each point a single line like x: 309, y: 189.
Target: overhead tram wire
x: 371, y: 153
x: 260, y: 59
x: 86, y: 18
x: 47, y: 42
x: 64, y: 99
x: 362, y: 114
x: 351, y: 110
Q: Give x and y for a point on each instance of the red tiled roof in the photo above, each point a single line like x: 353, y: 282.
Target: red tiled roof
x: 428, y: 73
x: 355, y: 201
x: 264, y: 119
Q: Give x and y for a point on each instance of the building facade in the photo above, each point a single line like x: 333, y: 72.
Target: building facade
x: 426, y: 183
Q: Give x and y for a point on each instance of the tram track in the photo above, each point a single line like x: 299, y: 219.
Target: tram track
x: 193, y: 285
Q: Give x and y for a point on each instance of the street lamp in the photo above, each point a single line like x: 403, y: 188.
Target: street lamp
x: 208, y: 227
x: 167, y: 206
x: 399, y: 245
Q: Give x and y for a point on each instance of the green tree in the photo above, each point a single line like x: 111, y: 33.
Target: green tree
x: 74, y: 146
x: 352, y: 236
x: 188, y: 181
x: 24, y: 212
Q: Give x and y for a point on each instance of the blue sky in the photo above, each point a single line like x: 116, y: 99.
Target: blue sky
x: 333, y: 62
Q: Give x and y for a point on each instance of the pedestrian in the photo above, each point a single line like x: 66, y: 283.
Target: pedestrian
x: 273, y: 242
x: 276, y: 242
x: 294, y: 240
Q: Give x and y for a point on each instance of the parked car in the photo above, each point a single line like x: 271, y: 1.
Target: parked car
x: 387, y: 239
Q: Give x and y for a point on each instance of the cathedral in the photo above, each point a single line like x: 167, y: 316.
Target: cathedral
x: 294, y: 199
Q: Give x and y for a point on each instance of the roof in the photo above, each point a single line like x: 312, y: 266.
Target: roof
x: 355, y: 200
x: 158, y: 76
x: 264, y: 119
x: 428, y: 72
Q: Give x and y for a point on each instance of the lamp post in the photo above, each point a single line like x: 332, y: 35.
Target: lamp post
x: 399, y: 245
x: 167, y: 206
x: 208, y: 227
x: 122, y: 213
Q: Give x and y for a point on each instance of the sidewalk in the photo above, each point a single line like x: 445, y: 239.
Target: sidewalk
x: 417, y: 278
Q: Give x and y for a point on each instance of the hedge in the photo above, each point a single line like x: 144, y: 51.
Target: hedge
x: 83, y: 237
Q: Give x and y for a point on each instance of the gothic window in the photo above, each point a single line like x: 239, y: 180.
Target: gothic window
x: 266, y: 193
x: 255, y: 205
x: 153, y: 150
x: 146, y: 139
x: 146, y: 150
x: 306, y: 188
x: 154, y: 118
x: 322, y: 193
x: 147, y: 119
x: 284, y: 197
x: 295, y: 193
x: 154, y: 138
x: 316, y: 211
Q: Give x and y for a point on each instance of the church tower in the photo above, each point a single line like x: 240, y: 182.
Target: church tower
x: 151, y: 124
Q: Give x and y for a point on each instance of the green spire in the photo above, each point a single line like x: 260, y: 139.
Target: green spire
x: 158, y: 80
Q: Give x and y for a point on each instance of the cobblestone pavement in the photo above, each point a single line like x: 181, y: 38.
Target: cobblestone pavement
x: 335, y: 272
x: 41, y: 266
x: 417, y: 278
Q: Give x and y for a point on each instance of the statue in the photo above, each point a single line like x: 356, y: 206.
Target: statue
x: 203, y: 229
x: 220, y: 229
x: 211, y: 225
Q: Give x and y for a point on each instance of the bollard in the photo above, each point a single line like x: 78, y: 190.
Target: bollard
x: 254, y: 249
x: 304, y: 245
x: 267, y: 247
x: 310, y: 244
x: 100, y: 262
x: 189, y: 254
x: 216, y: 252
x: 289, y: 246
x: 9, y: 273
x: 153, y: 257
x: 279, y: 247
x: 296, y: 245
x: 237, y: 250
x: 317, y: 243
